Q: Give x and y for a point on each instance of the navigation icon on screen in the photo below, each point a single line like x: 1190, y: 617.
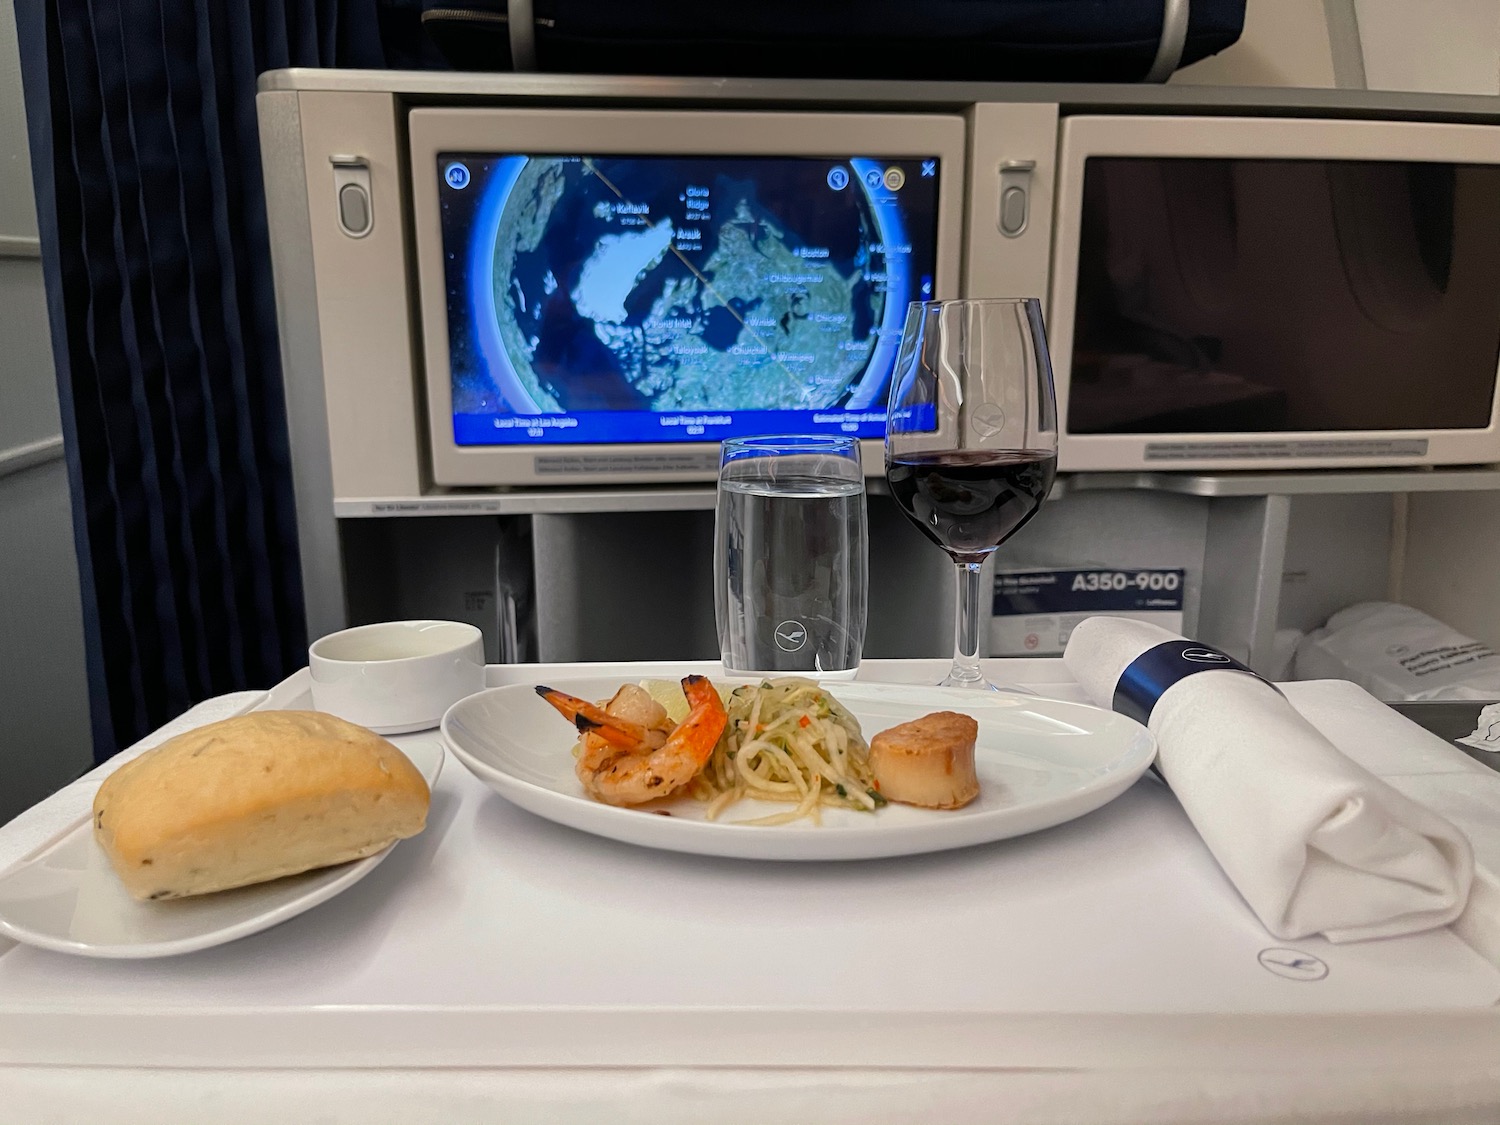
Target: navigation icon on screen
x: 872, y: 179
x: 894, y: 178
x: 457, y: 176
x: 929, y: 168
x: 838, y: 178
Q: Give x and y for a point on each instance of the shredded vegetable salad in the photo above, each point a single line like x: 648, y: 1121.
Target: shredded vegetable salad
x: 789, y: 741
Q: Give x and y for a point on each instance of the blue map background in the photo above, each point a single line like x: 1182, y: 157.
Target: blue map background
x: 630, y: 285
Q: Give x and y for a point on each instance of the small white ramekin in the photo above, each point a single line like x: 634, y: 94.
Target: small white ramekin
x: 396, y: 677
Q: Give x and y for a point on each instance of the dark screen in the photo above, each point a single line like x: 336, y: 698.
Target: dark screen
x: 1264, y: 296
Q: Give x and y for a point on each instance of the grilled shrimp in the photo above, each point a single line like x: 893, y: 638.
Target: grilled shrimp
x: 631, y: 720
x: 629, y: 762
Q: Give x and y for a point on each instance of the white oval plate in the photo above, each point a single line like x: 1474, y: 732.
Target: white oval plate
x: 67, y: 898
x: 1040, y: 762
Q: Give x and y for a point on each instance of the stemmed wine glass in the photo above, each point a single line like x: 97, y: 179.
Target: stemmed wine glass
x: 971, y: 439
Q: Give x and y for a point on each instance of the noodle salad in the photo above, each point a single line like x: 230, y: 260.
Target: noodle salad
x: 791, y: 742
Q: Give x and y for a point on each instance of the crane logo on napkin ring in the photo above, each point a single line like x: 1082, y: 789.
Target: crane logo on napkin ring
x: 1205, y: 656
x: 1147, y: 677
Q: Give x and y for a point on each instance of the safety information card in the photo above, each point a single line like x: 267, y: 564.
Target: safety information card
x: 1036, y: 610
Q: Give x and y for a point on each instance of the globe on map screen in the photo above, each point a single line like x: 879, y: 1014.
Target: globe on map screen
x: 632, y: 285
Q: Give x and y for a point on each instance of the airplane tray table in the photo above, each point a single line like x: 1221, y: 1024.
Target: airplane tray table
x: 507, y: 950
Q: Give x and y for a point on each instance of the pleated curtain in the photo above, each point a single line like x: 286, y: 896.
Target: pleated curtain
x: 143, y: 137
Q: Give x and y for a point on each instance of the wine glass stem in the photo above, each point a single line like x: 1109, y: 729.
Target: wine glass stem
x: 966, y: 626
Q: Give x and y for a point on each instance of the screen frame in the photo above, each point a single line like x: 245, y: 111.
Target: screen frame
x: 641, y: 132
x: 1086, y: 136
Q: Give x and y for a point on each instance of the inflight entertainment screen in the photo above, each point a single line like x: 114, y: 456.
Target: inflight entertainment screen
x: 657, y: 299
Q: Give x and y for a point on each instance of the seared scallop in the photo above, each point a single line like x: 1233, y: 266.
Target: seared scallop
x: 928, y: 761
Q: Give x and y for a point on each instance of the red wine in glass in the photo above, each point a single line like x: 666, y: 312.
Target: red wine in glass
x: 971, y: 440
x: 969, y: 501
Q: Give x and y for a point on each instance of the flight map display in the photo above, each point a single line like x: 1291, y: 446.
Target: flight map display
x: 625, y: 299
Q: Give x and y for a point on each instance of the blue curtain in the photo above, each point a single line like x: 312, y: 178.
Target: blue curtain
x: 975, y: 40
x: 143, y: 138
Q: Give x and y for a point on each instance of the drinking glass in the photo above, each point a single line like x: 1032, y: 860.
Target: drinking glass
x: 971, y: 439
x: 790, y: 556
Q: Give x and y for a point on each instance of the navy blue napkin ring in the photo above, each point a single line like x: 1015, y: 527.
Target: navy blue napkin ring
x: 1147, y: 677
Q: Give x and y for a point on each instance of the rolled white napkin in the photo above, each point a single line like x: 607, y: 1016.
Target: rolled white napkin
x: 1313, y: 842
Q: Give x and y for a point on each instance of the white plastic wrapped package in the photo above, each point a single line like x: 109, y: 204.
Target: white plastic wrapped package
x: 1396, y: 652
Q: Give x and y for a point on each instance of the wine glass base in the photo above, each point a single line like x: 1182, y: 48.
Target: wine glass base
x: 983, y: 684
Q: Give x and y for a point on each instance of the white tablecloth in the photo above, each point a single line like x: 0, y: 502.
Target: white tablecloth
x: 1246, y: 1091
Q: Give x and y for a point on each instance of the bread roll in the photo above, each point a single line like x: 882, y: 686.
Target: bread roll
x: 928, y: 761
x: 254, y: 798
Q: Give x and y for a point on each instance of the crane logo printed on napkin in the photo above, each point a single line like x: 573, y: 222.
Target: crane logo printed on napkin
x: 1292, y: 965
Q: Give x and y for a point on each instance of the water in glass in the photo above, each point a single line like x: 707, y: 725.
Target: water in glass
x: 790, y: 559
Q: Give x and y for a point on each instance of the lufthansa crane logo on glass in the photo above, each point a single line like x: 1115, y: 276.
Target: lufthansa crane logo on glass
x: 790, y: 636
x: 1204, y: 656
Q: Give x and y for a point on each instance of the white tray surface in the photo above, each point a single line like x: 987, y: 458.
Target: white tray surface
x: 503, y: 921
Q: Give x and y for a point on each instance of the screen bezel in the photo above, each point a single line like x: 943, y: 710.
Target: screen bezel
x: 1088, y: 136
x: 667, y: 133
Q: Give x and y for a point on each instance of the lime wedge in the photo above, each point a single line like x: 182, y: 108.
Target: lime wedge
x: 669, y: 694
